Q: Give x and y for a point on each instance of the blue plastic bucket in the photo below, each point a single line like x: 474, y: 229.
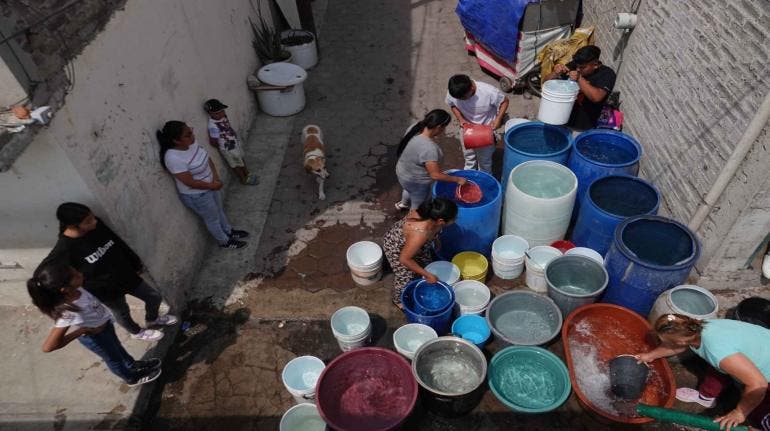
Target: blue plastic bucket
x: 432, y: 298
x: 473, y: 328
x: 534, y: 141
x: 649, y: 255
x: 609, y: 201
x: 439, y: 322
x: 601, y: 152
x: 477, y: 225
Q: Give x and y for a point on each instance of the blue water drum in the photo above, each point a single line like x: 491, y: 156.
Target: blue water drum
x: 649, y: 255
x: 477, y: 225
x: 608, y: 202
x: 439, y: 321
x: 534, y: 141
x: 601, y: 152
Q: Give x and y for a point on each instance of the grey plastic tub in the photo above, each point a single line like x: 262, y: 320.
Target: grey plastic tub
x: 524, y: 318
x: 574, y: 281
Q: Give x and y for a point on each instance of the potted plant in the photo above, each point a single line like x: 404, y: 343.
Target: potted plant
x: 267, y: 42
x: 302, y: 46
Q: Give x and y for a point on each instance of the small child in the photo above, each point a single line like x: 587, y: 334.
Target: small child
x: 56, y: 290
x: 477, y: 103
x: 223, y: 137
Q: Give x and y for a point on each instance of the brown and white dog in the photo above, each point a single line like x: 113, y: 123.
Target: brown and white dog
x: 314, y: 156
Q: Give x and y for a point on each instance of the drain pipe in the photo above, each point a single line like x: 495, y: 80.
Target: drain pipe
x: 733, y: 163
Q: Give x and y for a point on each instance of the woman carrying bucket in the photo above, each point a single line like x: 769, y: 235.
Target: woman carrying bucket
x: 408, y: 244
x: 734, y: 350
x: 419, y: 160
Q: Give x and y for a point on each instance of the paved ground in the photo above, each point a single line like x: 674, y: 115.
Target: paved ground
x: 384, y: 63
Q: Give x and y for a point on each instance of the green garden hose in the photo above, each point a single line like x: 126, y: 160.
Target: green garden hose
x: 681, y: 418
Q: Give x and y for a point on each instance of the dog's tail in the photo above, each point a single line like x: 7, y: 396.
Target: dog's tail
x: 311, y: 129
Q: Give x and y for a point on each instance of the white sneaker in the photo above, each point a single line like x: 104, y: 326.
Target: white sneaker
x: 165, y: 320
x: 766, y: 266
x: 147, y: 335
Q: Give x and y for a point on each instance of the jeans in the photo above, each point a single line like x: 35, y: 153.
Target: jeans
x: 107, y: 346
x: 208, y: 205
x: 714, y: 382
x: 478, y: 158
x: 414, y: 192
x: 119, y: 306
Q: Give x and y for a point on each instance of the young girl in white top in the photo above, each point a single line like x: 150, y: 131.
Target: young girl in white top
x: 197, y: 181
x: 55, y: 290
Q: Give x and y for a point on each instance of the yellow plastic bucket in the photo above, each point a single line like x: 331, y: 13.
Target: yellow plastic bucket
x: 473, y: 266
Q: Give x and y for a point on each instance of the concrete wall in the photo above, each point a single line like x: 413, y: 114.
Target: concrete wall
x: 154, y: 61
x: 694, y: 73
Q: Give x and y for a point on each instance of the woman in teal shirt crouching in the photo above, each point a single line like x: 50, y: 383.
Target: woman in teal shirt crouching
x: 735, y: 350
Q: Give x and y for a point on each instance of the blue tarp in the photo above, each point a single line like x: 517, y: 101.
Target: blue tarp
x: 494, y: 23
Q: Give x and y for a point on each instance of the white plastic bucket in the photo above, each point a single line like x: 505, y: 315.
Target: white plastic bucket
x: 300, y: 376
x: 508, y: 256
x: 305, y: 55
x: 688, y: 299
x: 538, y: 201
x: 352, y: 327
x: 587, y: 252
x: 538, y: 258
x: 408, y: 338
x: 558, y: 96
x: 365, y: 262
x: 445, y: 271
x: 289, y: 96
x: 302, y: 417
x: 471, y: 297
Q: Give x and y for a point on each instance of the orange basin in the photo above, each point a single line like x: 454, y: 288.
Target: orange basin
x: 594, y: 334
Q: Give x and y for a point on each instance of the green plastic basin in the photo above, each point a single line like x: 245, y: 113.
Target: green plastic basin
x: 529, y: 379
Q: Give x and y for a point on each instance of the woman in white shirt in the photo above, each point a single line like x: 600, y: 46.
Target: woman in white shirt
x: 56, y: 290
x: 197, y: 181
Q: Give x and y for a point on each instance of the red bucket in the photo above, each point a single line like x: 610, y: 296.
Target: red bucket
x: 477, y: 136
x: 469, y: 193
x: 367, y: 389
x: 563, y: 245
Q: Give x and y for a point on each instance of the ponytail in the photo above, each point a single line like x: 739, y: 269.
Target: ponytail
x: 438, y: 209
x: 171, y: 131
x: 71, y: 214
x: 45, y: 289
x: 433, y: 119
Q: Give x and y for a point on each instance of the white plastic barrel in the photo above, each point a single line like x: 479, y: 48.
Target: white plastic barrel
x: 558, y: 96
x: 538, y: 201
x: 445, y: 271
x: 352, y: 327
x: 289, y: 96
x: 304, y: 55
x: 587, y: 252
x: 536, y: 261
x: 471, y: 297
x: 508, y: 256
x: 302, y: 417
x: 300, y: 376
x: 365, y: 262
x: 688, y: 299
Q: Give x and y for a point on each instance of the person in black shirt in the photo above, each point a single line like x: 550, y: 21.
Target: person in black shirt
x: 596, y: 82
x: 111, y: 269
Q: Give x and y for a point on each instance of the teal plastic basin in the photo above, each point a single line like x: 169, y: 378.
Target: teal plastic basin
x: 529, y: 379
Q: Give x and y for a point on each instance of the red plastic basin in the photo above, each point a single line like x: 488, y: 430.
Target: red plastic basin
x: 613, y: 330
x: 367, y: 389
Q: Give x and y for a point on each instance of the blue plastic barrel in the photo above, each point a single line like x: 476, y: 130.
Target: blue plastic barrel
x: 609, y: 201
x: 477, y: 225
x: 440, y: 322
x: 601, y: 152
x: 649, y: 255
x: 534, y: 141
